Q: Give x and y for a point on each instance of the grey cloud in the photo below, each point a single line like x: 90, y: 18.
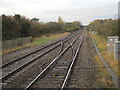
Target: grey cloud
x: 85, y: 15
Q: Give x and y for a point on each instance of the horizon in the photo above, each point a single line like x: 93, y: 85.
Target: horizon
x: 72, y: 10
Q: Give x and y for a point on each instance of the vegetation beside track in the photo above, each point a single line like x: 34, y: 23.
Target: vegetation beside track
x: 105, y: 28
x: 101, y: 29
x: 102, y: 46
x: 44, y: 39
x: 104, y: 78
x: 18, y: 26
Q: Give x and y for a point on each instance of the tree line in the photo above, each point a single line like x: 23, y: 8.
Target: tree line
x: 19, y: 26
x: 106, y: 27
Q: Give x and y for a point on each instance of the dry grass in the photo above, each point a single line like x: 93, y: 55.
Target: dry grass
x: 110, y: 59
x: 102, y: 46
x: 14, y: 49
x: 104, y: 77
x: 101, y: 42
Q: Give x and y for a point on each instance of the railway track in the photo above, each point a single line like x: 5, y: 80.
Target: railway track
x: 85, y: 68
x: 68, y: 75
x: 20, y: 63
x: 59, y: 69
x: 23, y: 63
x: 28, y: 54
x: 57, y: 73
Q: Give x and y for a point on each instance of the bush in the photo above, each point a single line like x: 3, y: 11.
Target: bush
x: 107, y: 27
x: 19, y: 26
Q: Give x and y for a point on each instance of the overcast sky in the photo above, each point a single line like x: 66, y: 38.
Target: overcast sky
x: 70, y: 10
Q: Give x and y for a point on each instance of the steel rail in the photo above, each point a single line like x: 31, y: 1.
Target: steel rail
x: 73, y: 50
x: 62, y: 45
x: 19, y: 58
x: 31, y: 61
x: 54, y: 61
x: 71, y: 66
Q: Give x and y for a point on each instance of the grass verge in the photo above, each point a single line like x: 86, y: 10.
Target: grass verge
x: 103, y: 76
x: 102, y: 46
x: 44, y: 39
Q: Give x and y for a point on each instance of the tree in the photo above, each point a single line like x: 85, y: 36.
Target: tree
x: 18, y: 26
x: 17, y: 17
x: 25, y: 26
x: 10, y: 28
x: 105, y: 28
x: 37, y: 29
x: 76, y: 25
x: 34, y: 19
x: 60, y: 20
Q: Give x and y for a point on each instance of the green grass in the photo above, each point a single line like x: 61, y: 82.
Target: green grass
x: 40, y: 41
x: 44, y: 39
